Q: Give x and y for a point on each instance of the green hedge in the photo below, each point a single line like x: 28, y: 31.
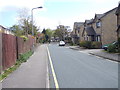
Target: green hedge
x: 115, y: 48
x: 90, y: 44
x: 112, y: 49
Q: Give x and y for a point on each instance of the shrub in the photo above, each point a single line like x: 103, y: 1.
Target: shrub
x: 118, y: 45
x: 96, y: 45
x: 111, y: 48
x: 24, y: 38
x: 86, y: 44
x: 90, y: 44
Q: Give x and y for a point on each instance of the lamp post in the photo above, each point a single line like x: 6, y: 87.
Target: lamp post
x: 32, y: 18
x: 32, y: 23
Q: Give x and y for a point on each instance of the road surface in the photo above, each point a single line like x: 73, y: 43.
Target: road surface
x: 74, y: 69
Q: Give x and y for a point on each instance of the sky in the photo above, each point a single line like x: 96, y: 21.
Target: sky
x: 54, y: 12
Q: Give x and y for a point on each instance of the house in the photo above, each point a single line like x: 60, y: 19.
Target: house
x: 108, y: 26
x: 102, y: 28
x: 76, y: 31
x: 97, y: 26
x: 89, y: 33
x: 118, y: 21
x: 5, y: 30
x: 2, y: 28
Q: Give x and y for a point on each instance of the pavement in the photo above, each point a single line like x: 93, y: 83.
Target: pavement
x: 75, y: 69
x: 31, y: 74
x: 98, y: 52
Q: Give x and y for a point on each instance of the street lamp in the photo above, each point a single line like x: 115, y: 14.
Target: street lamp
x: 32, y: 22
x: 32, y: 18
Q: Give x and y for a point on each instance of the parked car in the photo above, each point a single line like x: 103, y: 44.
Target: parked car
x: 61, y: 43
x: 105, y: 47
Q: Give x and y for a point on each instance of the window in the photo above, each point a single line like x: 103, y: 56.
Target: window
x: 98, y: 38
x: 98, y: 24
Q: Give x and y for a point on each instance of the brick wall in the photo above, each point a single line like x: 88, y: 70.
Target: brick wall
x: 109, y: 27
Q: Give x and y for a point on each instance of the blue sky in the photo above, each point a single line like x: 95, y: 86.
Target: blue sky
x: 54, y: 12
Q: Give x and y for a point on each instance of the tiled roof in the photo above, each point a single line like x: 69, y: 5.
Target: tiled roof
x: 90, y: 31
x: 99, y: 15
x: 89, y: 21
x: 78, y: 24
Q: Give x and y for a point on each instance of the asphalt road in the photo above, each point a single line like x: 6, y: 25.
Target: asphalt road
x: 79, y: 70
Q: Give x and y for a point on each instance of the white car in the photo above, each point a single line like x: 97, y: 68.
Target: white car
x: 61, y: 43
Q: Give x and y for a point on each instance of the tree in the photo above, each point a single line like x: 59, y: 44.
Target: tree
x: 16, y: 29
x: 25, y: 22
x: 48, y: 34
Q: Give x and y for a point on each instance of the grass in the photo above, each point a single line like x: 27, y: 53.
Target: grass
x: 22, y: 58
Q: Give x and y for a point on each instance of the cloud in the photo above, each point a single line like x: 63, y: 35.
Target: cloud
x: 4, y: 4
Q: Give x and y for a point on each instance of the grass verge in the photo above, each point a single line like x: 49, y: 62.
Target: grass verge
x: 22, y: 58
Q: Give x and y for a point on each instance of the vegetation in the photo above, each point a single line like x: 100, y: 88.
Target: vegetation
x: 23, y: 58
x: 47, y: 34
x: 90, y: 44
x: 24, y: 26
x: 24, y: 38
x: 118, y: 45
x: 112, y: 49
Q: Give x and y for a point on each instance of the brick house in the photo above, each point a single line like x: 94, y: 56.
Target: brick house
x: 89, y: 33
x: 108, y: 27
x: 97, y: 26
x: 102, y: 28
x: 118, y: 21
x: 76, y: 31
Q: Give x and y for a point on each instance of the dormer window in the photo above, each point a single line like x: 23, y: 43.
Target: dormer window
x: 98, y: 24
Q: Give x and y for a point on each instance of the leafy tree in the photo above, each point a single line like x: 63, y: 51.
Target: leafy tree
x: 25, y: 24
x: 16, y: 29
x: 48, y: 34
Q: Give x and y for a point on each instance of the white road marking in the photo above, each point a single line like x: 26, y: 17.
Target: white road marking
x: 53, y: 72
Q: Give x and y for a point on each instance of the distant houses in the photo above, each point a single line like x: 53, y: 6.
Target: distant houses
x: 104, y: 28
x: 5, y: 30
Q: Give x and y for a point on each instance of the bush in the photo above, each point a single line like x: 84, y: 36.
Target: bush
x: 96, y: 45
x: 86, y: 44
x: 112, y: 48
x: 24, y: 38
x: 90, y: 44
x: 118, y: 45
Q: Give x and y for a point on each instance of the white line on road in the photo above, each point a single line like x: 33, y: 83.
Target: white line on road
x: 53, y: 72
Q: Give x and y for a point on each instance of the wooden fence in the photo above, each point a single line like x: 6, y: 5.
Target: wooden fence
x: 0, y: 52
x: 11, y: 47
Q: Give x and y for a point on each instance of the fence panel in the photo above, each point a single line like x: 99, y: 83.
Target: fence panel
x: 0, y: 52
x: 9, y: 50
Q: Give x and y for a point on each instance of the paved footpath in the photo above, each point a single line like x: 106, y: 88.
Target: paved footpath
x: 31, y: 74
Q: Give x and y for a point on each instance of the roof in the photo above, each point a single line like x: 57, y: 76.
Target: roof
x: 89, y: 21
x: 90, y: 31
x: 78, y: 24
x: 108, y: 12
x: 118, y: 9
x: 2, y: 27
x: 98, y: 16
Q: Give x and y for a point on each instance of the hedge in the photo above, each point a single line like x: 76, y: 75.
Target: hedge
x: 90, y: 44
